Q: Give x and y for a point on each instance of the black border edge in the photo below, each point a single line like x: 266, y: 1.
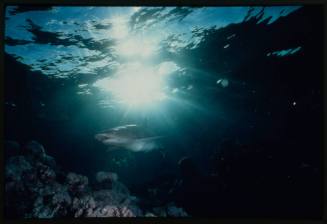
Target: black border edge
x: 5, y: 3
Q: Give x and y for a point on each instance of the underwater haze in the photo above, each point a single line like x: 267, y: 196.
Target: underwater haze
x: 163, y: 111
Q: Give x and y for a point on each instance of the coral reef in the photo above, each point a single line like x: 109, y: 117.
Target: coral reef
x: 106, y: 176
x: 33, y: 190
x: 174, y: 211
x: 77, y: 184
x: 106, y: 179
x: 170, y: 210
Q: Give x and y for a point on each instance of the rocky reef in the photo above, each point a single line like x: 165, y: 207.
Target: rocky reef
x: 35, y: 187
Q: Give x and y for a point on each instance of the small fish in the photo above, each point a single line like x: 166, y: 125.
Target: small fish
x: 129, y: 137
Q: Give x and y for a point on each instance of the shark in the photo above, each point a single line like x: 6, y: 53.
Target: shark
x: 130, y: 137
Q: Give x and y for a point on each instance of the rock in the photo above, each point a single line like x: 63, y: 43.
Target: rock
x: 149, y: 214
x: 42, y: 212
x: 49, y: 161
x: 105, y: 197
x: 169, y: 210
x: 35, y: 150
x: 135, y: 210
x: 46, y: 174
x: 106, y: 211
x: 83, y: 205
x: 32, y: 190
x: 61, y: 197
x: 76, y: 183
x: 103, y: 203
x: 106, y: 177
x: 111, y: 211
x: 120, y: 188
x: 160, y: 211
x: 173, y: 211
x: 52, y: 201
x: 16, y: 167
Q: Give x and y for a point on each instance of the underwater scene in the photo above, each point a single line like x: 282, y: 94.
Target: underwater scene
x: 208, y: 112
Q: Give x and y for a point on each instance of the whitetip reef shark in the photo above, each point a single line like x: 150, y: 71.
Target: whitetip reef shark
x: 129, y: 137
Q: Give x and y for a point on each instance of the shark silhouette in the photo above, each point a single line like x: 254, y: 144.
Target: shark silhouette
x: 129, y: 137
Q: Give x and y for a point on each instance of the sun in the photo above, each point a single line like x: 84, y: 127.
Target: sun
x: 136, y: 46
x: 139, y: 82
x: 135, y: 85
